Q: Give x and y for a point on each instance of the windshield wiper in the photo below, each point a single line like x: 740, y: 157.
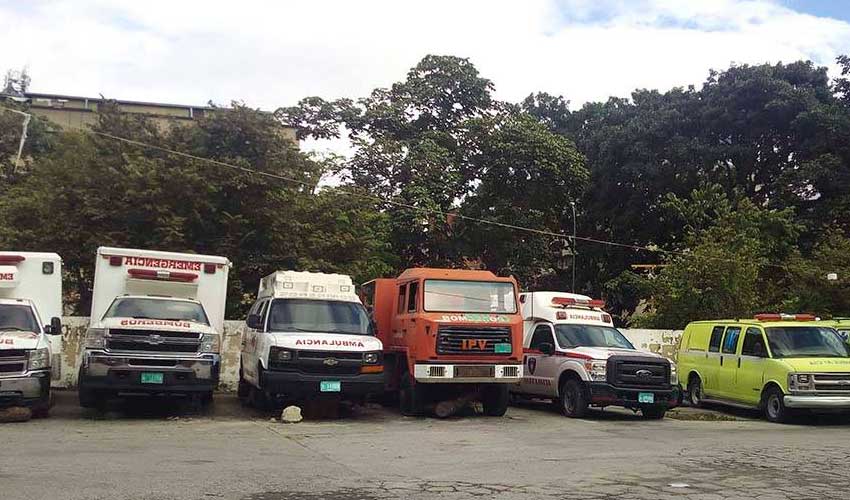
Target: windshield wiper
x: 13, y: 329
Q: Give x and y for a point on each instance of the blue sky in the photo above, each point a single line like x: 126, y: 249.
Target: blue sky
x: 270, y: 54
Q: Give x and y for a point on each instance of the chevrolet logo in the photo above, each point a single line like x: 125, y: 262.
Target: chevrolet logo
x: 154, y: 340
x: 330, y: 362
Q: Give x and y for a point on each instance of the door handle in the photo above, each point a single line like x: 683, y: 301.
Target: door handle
x: 721, y: 360
x: 739, y: 362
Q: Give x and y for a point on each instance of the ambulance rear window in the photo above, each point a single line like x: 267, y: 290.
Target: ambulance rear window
x: 17, y: 317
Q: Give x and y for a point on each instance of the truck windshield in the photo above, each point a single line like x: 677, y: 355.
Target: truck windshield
x: 570, y: 336
x: 805, y: 342
x: 162, y: 309
x: 17, y: 317
x: 469, y: 296
x: 320, y: 316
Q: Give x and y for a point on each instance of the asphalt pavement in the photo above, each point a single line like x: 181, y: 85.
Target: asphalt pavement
x: 161, y: 450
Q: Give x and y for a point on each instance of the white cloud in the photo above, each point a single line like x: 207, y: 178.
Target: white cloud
x: 271, y: 54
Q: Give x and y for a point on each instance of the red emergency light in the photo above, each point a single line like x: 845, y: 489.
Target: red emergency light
x: 785, y: 317
x: 11, y: 259
x: 570, y: 301
x: 115, y: 260
x: 152, y: 274
x: 209, y: 268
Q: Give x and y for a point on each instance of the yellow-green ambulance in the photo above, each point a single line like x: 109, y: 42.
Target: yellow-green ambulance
x: 775, y: 362
x: 842, y: 325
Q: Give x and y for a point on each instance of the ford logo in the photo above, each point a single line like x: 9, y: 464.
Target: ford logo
x: 643, y: 373
x: 331, y: 362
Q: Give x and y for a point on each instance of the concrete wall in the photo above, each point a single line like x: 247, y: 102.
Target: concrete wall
x: 663, y: 342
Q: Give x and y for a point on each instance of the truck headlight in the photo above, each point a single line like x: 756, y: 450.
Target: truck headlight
x: 210, y: 343
x: 596, y: 369
x: 96, y: 338
x: 38, y: 359
x: 278, y: 354
x: 801, y: 382
x: 371, y: 358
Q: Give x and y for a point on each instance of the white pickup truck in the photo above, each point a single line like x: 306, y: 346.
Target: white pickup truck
x: 574, y: 356
x: 156, y: 325
x: 30, y: 293
x: 308, y: 336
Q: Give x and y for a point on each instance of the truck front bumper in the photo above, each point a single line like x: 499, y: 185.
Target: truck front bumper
x: 27, y: 389
x: 102, y: 371
x: 604, y: 394
x: 467, y: 373
x: 818, y: 402
x: 296, y: 384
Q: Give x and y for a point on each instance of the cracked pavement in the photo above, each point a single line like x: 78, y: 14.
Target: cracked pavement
x: 229, y: 452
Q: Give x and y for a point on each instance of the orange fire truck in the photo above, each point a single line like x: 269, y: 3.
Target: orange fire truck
x: 450, y: 337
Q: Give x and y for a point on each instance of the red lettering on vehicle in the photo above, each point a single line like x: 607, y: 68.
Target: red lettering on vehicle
x: 155, y: 322
x: 7, y: 276
x: 183, y: 265
x: 332, y: 343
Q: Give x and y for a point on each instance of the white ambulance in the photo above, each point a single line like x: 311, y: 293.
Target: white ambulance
x: 156, y: 325
x: 574, y: 356
x: 308, y: 334
x: 30, y: 328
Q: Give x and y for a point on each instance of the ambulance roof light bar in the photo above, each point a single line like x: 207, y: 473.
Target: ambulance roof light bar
x: 11, y: 259
x: 785, y: 317
x: 159, y: 275
x: 570, y: 301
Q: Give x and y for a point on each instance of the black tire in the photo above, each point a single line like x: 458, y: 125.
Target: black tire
x: 207, y: 398
x: 695, y: 395
x: 494, y: 399
x: 257, y: 396
x: 88, y: 398
x: 653, y: 412
x: 774, y: 406
x: 409, y: 397
x: 573, y: 399
x: 243, y: 389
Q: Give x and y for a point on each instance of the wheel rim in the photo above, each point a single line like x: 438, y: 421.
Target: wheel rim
x: 569, y: 401
x: 696, y: 393
x: 773, y: 407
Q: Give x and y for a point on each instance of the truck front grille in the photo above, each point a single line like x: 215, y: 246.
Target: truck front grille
x: 826, y: 382
x: 13, y: 361
x: 638, y: 372
x: 472, y: 339
x: 153, y: 341
x: 321, y: 363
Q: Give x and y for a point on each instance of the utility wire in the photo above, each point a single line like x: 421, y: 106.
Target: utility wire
x: 397, y: 203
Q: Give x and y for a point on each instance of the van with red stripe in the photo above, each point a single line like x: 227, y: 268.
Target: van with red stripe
x: 156, y: 325
x: 574, y: 356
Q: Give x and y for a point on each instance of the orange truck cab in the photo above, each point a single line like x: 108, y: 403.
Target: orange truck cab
x: 450, y: 337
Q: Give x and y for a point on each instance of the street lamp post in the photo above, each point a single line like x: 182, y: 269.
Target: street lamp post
x: 573, y: 205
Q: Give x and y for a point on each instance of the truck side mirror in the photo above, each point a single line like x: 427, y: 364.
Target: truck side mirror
x: 253, y: 321
x: 547, y: 348
x: 55, y: 326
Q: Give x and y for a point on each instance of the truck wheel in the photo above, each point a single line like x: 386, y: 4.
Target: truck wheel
x: 410, y: 397
x: 573, y: 399
x: 207, y: 398
x: 653, y: 412
x: 695, y: 391
x: 495, y: 399
x: 243, y: 389
x: 774, y: 406
x: 88, y: 397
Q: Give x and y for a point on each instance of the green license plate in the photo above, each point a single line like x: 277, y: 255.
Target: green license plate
x: 330, y: 386
x: 646, y: 397
x: 503, y: 348
x: 152, y: 378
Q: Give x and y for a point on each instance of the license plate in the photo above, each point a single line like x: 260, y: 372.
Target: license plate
x: 646, y: 397
x: 503, y: 348
x: 475, y: 371
x: 330, y: 386
x: 152, y: 378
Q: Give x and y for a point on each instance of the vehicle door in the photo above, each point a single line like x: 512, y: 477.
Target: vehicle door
x: 711, y: 363
x: 540, y: 369
x: 404, y: 317
x: 728, y: 370
x: 751, y: 363
x: 252, y: 342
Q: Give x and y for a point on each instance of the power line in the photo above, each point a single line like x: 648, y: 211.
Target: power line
x: 402, y: 204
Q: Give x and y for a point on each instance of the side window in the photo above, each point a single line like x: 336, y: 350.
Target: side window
x: 753, y: 343
x: 542, y: 334
x: 716, y: 338
x: 262, y: 311
x: 730, y: 340
x: 411, y: 297
x: 401, y: 291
